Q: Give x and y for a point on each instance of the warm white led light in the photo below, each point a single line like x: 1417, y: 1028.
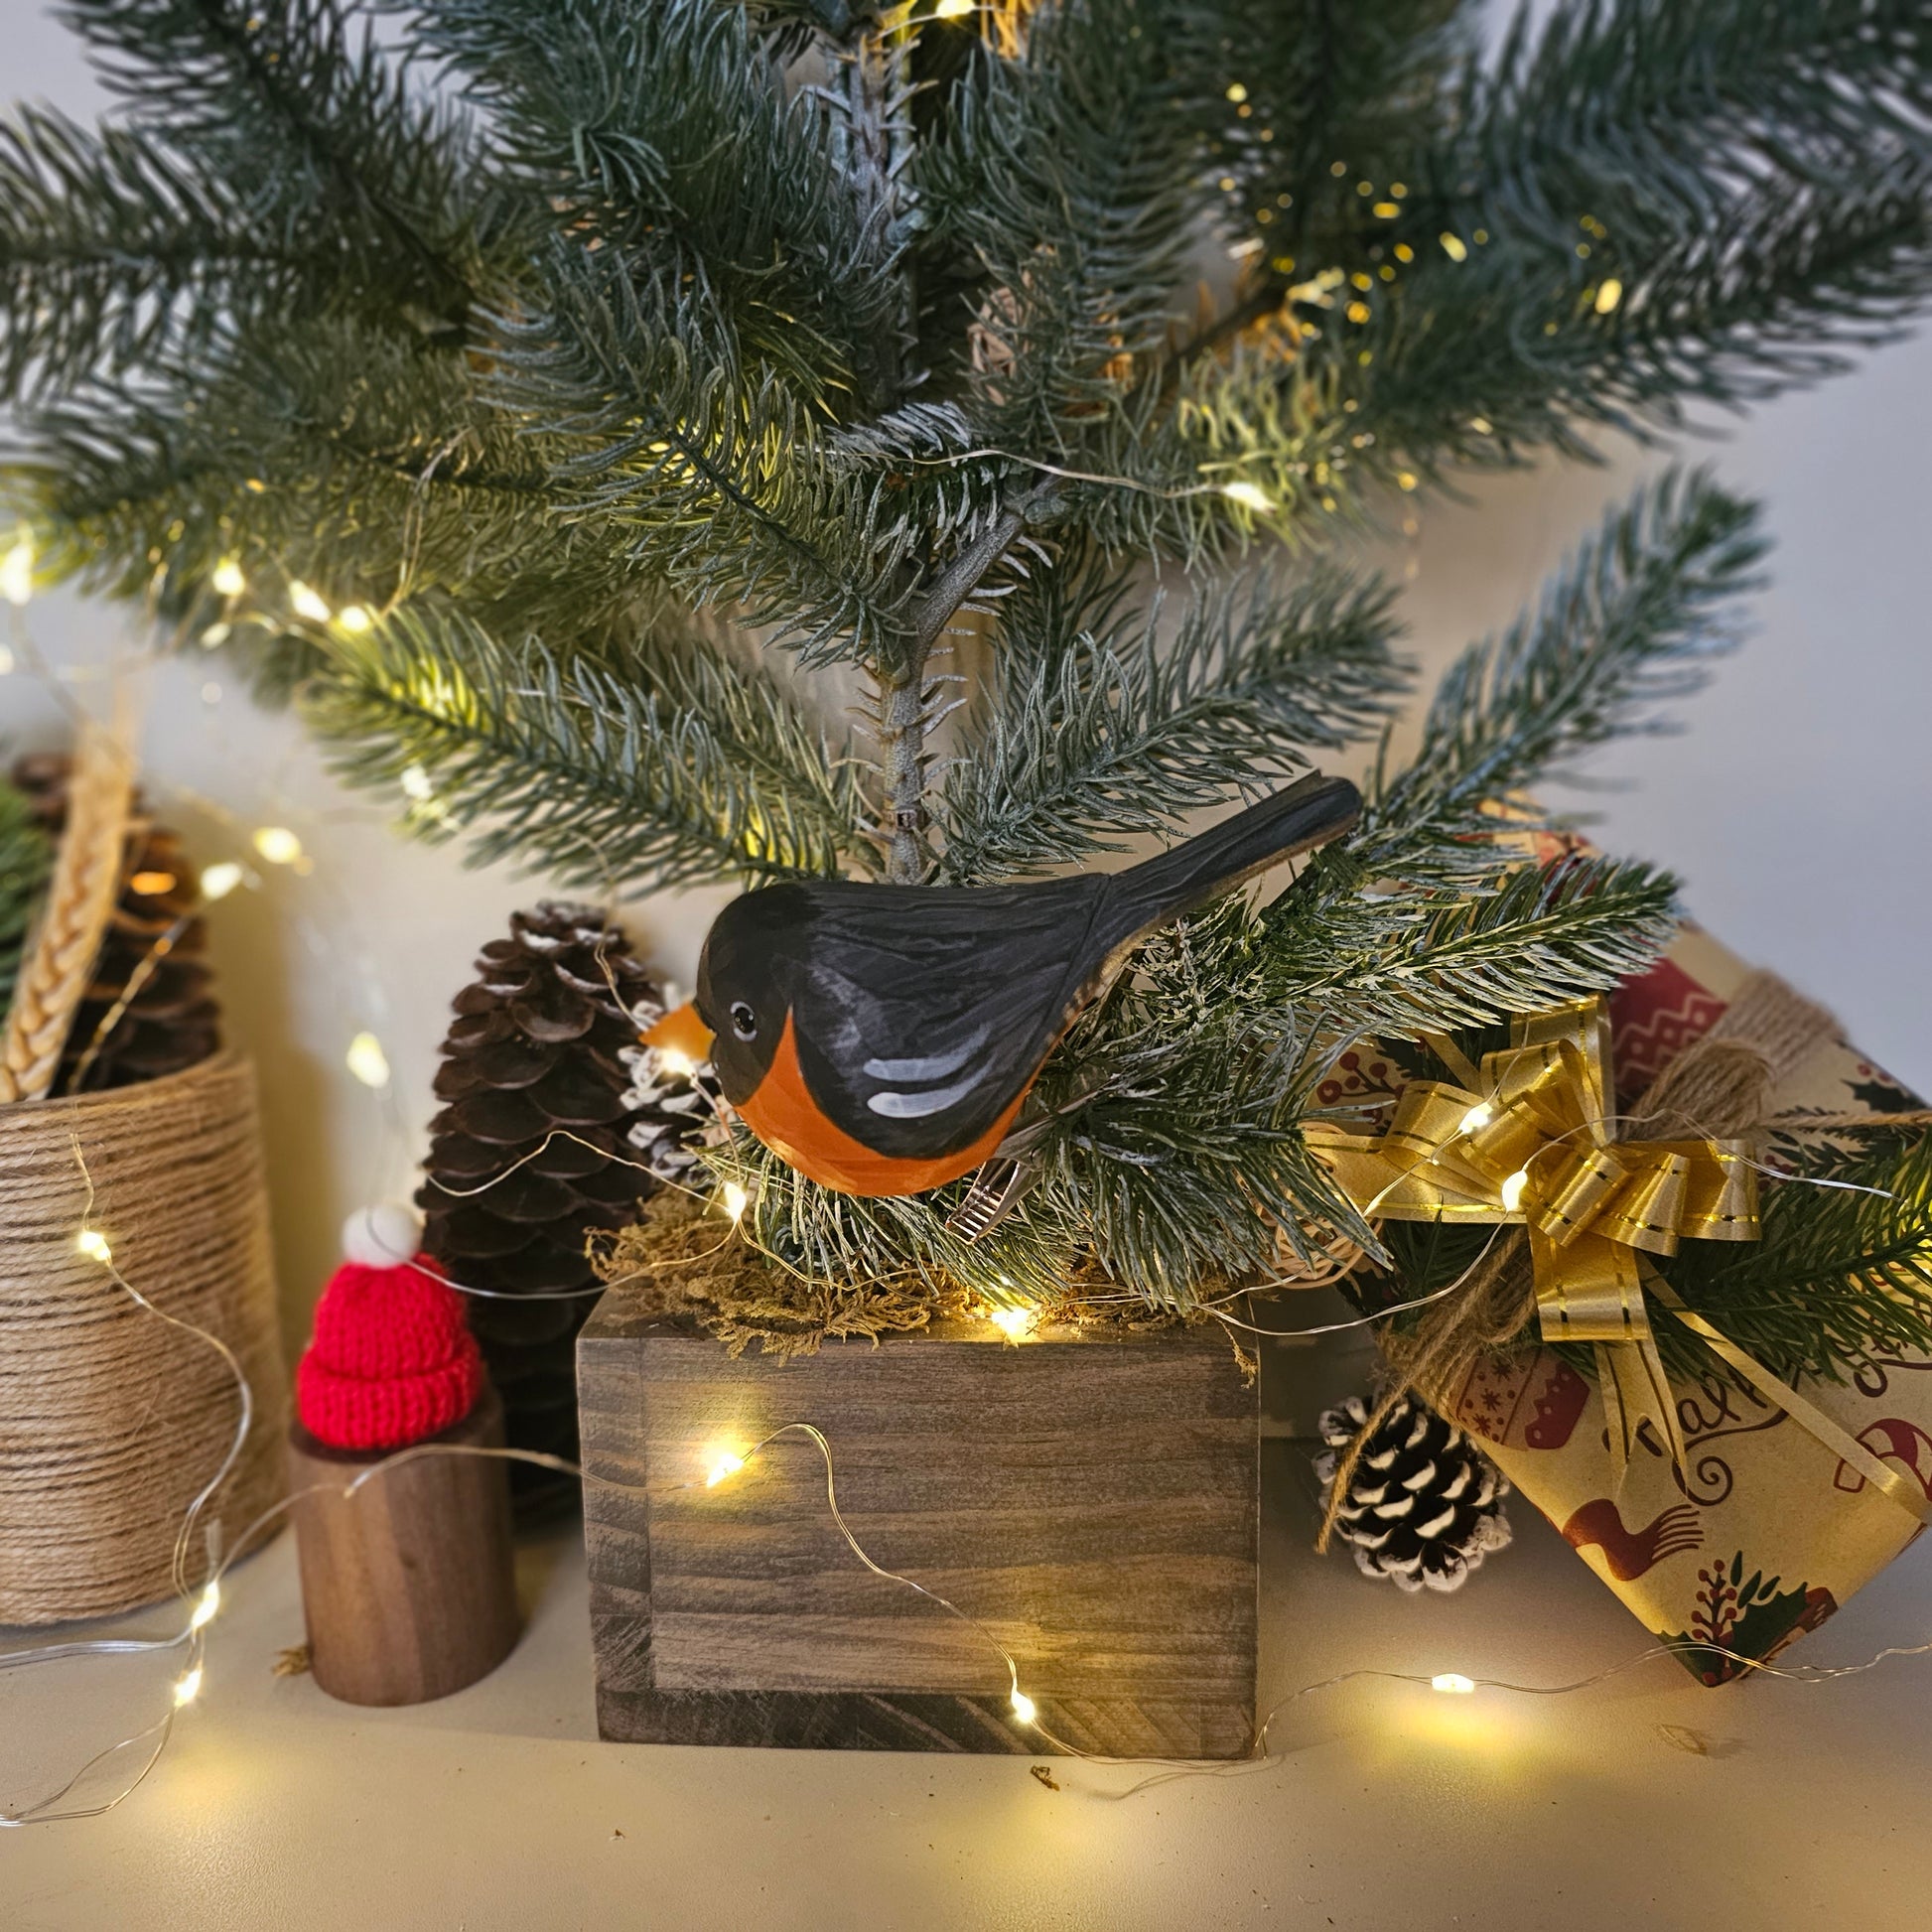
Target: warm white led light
x: 353, y: 617
x: 737, y: 1200
x: 367, y: 1061
x: 188, y: 1687
x: 1015, y: 1323
x: 722, y: 1468
x: 1454, y: 1682
x: 952, y: 9
x: 204, y: 1611
x: 227, y: 579
x: 17, y: 573
x: 219, y: 880
x: 306, y: 604
x: 1250, y: 497
x: 277, y: 844
x: 93, y: 1244
x: 1478, y: 1116
x: 680, y: 1066
x: 1025, y: 1709
x: 1512, y: 1189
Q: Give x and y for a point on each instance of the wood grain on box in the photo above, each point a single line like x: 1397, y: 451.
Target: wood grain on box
x: 1091, y: 1502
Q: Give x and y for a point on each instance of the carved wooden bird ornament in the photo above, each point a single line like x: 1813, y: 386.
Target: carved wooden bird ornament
x: 881, y: 1038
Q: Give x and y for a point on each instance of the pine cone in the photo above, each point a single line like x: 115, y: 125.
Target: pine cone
x: 25, y: 859
x: 153, y: 955
x: 544, y: 1042
x: 1425, y: 1505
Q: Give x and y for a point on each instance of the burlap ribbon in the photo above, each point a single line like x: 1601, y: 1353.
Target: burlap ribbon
x: 1526, y: 1141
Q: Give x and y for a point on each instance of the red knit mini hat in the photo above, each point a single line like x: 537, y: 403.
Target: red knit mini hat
x: 393, y: 1361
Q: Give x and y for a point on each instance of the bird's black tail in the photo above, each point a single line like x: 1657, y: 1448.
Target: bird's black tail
x: 1309, y: 813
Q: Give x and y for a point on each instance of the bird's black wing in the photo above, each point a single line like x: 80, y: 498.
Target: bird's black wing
x: 1307, y: 814
x: 920, y: 1012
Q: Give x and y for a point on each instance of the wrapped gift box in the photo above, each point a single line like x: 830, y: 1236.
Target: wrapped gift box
x: 1766, y: 1531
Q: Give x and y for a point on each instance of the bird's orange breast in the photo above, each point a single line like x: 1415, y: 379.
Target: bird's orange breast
x: 786, y: 1117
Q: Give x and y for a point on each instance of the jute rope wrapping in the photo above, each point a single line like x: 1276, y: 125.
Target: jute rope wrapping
x: 112, y: 1421
x: 1719, y: 1085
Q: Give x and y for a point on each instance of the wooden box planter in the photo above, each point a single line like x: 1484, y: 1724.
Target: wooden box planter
x: 1092, y: 1501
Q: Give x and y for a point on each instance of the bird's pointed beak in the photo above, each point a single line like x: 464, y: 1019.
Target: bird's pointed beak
x: 681, y: 1036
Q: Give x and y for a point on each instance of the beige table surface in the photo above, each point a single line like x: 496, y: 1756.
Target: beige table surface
x: 1388, y: 1807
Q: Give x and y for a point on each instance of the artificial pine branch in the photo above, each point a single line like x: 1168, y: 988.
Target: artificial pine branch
x: 1706, y: 196
x: 1330, y: 90
x: 414, y: 486
x: 668, y: 133
x: 1640, y: 204
x: 1104, y: 733
x: 522, y: 329
x: 1631, y: 621
x: 1841, y: 1274
x: 673, y: 770
x: 323, y: 127
x: 1443, y: 960
x: 112, y: 247
x: 1067, y: 179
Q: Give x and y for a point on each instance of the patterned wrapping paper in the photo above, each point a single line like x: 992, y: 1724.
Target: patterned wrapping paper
x: 1765, y: 1532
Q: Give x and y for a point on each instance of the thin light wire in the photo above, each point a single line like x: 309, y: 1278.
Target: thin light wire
x: 42, y: 1812
x: 1168, y: 492
x: 522, y: 1160
x: 824, y: 1448
x: 244, y: 1389
x: 1744, y: 1159
x: 1227, y: 1320
x: 559, y: 1294
x: 47, y: 1811
x: 1362, y: 1320
x: 144, y: 970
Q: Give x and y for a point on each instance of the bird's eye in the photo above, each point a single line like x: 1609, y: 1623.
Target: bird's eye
x: 745, y: 1022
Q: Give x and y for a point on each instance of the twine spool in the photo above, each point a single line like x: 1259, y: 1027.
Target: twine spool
x: 112, y: 1421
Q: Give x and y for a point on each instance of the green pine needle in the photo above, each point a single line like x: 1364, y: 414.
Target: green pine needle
x: 673, y: 770
x: 1840, y: 1276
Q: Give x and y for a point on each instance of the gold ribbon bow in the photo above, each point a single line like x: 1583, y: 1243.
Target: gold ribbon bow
x: 1527, y: 1143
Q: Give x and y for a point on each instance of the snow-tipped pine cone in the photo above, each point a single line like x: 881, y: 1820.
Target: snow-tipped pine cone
x: 1423, y: 1505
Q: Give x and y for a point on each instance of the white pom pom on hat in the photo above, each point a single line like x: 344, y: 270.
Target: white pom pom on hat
x: 383, y: 1236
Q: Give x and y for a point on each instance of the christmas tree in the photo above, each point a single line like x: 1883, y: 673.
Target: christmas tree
x: 581, y: 407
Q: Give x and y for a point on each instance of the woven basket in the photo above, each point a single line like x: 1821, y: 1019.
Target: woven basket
x: 112, y: 1420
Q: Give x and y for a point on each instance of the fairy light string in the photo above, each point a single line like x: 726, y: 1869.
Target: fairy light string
x: 202, y: 1604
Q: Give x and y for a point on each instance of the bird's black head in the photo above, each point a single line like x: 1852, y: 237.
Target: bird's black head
x: 744, y: 982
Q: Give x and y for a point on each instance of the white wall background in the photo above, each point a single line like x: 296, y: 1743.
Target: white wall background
x: 1795, y: 803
